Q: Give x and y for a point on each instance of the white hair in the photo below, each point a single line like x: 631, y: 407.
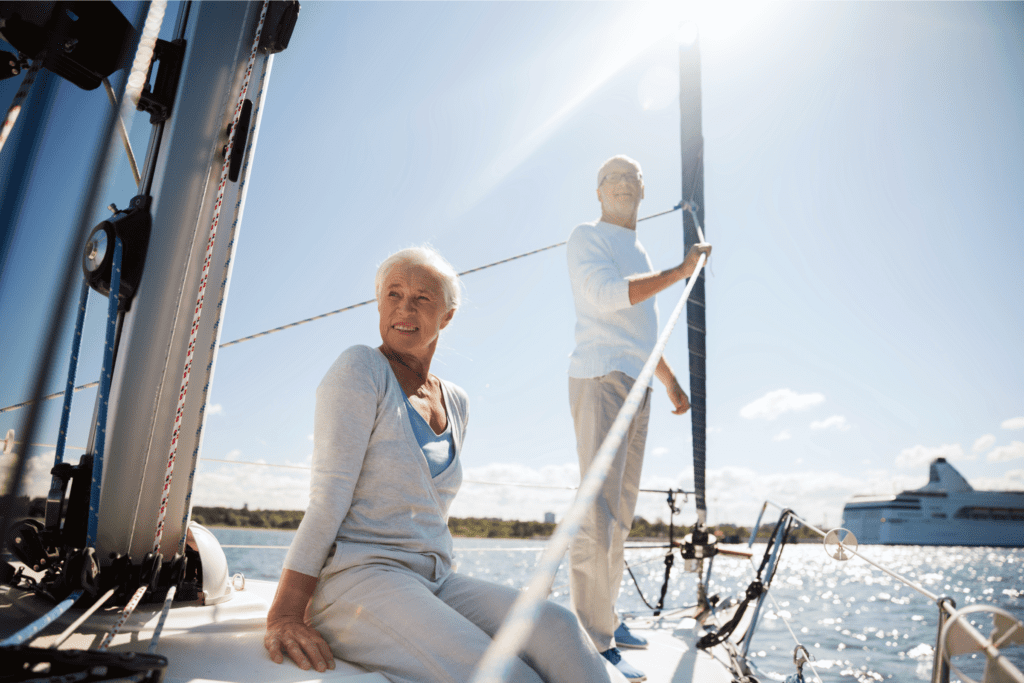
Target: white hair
x: 429, y: 258
x: 618, y: 158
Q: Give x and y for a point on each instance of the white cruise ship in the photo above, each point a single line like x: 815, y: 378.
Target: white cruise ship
x: 946, y: 511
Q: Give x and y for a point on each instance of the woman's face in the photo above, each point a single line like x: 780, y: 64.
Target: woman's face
x: 412, y: 309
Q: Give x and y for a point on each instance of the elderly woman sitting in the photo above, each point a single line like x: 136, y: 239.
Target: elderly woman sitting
x: 372, y: 559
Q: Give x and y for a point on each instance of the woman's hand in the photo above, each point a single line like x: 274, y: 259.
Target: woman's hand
x: 288, y: 633
x: 301, y: 642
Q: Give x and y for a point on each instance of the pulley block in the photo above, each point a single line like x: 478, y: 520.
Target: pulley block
x: 23, y: 663
x: 132, y: 227
x: 697, y: 546
x: 82, y: 42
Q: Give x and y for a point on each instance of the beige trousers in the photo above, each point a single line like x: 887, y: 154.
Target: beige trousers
x: 387, y: 617
x: 596, y: 554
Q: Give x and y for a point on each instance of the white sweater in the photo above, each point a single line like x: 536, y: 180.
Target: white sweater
x: 371, y: 489
x: 610, y: 333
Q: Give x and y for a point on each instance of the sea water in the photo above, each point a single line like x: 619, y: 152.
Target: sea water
x: 857, y: 622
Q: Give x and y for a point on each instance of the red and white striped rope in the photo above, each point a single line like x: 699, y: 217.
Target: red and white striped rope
x: 125, y: 613
x: 197, y: 313
x: 19, y: 100
x: 243, y: 184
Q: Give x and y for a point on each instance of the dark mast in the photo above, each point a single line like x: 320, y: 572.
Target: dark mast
x: 692, y: 144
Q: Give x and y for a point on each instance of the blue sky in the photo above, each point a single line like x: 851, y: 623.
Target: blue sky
x: 863, y: 168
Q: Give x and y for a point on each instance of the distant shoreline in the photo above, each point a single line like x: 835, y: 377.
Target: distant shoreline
x: 478, y: 527
x: 461, y: 527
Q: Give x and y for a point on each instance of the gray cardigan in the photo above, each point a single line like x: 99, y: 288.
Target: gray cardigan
x: 370, y: 490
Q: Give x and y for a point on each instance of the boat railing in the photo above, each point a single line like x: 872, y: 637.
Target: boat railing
x: 955, y: 635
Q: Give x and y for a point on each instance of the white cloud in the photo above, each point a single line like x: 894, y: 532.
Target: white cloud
x: 507, y: 501
x: 214, y: 409
x: 233, y: 454
x: 1005, y: 453
x: 784, y: 435
x: 777, y: 402
x: 1013, y: 480
x: 35, y: 481
x: 983, y: 443
x: 261, y: 488
x: 835, y: 422
x: 917, y: 456
x: 659, y: 451
x: 1013, y: 423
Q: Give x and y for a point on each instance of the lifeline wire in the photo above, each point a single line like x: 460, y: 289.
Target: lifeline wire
x: 16, y: 406
x: 48, y: 397
x: 179, y: 412
x: 19, y: 99
x: 465, y: 272
x: 519, y: 623
x: 243, y: 189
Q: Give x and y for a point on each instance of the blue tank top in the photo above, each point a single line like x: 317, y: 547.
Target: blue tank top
x: 438, y: 449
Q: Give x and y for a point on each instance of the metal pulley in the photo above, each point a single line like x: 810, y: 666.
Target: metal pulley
x: 131, y: 226
x: 697, y: 546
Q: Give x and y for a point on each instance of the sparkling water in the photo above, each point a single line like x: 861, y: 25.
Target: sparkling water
x: 857, y: 622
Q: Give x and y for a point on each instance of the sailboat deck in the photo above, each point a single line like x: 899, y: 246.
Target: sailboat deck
x: 224, y: 643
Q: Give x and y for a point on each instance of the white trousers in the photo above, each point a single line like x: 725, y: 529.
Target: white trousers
x: 596, y: 554
x: 388, y: 618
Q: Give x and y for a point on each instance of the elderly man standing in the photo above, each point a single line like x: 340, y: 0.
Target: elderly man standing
x: 613, y: 287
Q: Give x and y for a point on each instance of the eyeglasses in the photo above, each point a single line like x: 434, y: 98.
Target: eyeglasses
x: 614, y: 178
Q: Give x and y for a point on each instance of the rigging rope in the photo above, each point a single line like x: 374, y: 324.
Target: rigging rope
x: 29, y: 632
x: 66, y: 633
x: 125, y: 613
x: 521, y: 618
x: 179, y: 412
x: 155, y: 641
x: 90, y: 385
x: 123, y: 130
x: 104, y: 395
x: 229, y: 261
x: 19, y: 99
x: 144, y: 53
x: 69, y: 390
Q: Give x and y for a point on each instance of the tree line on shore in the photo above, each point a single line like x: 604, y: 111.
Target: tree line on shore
x: 467, y: 527
x: 480, y: 527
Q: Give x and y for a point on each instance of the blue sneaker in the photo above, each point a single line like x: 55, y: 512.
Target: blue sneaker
x: 631, y: 673
x: 625, y: 638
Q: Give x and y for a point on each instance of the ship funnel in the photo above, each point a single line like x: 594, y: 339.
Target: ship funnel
x: 944, y: 477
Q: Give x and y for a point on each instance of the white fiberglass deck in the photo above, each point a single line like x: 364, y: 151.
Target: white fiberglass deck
x: 224, y: 643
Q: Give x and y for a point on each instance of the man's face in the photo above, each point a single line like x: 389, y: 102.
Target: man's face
x: 621, y: 190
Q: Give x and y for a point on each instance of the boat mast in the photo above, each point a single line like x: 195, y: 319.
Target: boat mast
x: 155, y: 334
x: 692, y: 149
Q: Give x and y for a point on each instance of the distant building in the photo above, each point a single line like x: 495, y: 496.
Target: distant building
x: 549, y: 517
